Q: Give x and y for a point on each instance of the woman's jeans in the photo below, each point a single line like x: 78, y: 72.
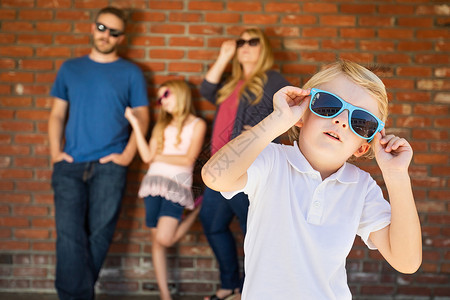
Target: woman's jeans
x: 87, y: 204
x: 216, y: 215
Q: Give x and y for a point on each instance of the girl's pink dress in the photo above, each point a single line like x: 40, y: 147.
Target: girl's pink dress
x: 172, y: 182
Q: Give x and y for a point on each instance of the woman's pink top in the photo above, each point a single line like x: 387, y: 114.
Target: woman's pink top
x: 170, y: 181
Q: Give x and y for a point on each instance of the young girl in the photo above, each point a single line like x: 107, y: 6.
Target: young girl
x: 176, y: 141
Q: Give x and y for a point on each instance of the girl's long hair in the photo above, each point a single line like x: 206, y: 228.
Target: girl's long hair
x: 255, y: 83
x: 180, y: 89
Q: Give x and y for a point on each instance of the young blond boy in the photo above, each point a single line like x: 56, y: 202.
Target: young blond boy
x: 307, y: 202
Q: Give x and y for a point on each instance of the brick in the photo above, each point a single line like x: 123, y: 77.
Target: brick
x: 377, y: 21
x: 433, y: 34
x: 414, y: 46
x: 322, y: 8
x: 141, y: 16
x: 34, y: 64
x: 432, y: 59
x: 35, y: 186
x: 282, y: 7
x: 72, y: 15
x: 35, y: 14
x: 357, y: 57
x: 53, y: 52
x: 413, y: 96
x: 436, y: 110
x: 16, y: 51
x: 357, y: 33
x: 222, y: 17
x: 169, y: 29
x: 7, y: 14
x: 166, y: 54
x: 26, y: 272
x: 14, y: 245
x: 318, y: 57
x: 15, y: 101
x: 299, y: 20
x: 185, y: 17
x: 320, y: 32
x: 54, y: 27
x: 284, y: 31
x: 44, y: 246
x: 377, y: 45
x: 72, y: 40
x: 6, y: 38
x: 187, y: 41
x: 242, y: 6
x: 166, y: 5
x: 429, y: 134
x: 396, y: 9
x: 31, y: 234
x: 260, y: 19
x: 15, y: 198
x: 420, y: 158
x: 15, y: 26
x: 91, y: 4
x: 54, y: 4
x: 415, y: 21
x: 301, y: 44
x: 15, y: 174
x: 358, y: 8
x: 298, y: 69
x: 338, y: 20
x: 394, y: 33
x: 16, y: 126
x: 202, y: 55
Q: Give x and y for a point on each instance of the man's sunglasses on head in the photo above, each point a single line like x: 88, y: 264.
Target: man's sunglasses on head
x: 328, y: 105
x: 251, y: 42
x: 112, y: 32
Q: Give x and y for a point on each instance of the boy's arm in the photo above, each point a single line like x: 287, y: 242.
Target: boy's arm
x: 227, y: 169
x: 400, y: 243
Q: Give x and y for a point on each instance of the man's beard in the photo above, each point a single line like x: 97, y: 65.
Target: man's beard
x: 104, y: 51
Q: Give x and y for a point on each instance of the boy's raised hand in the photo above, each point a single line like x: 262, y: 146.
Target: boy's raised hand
x: 393, y: 154
x: 289, y: 104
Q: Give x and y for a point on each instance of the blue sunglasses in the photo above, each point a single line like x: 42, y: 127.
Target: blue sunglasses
x: 362, y: 122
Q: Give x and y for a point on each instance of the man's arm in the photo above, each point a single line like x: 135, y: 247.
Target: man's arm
x: 400, y: 243
x: 227, y: 169
x: 56, y: 122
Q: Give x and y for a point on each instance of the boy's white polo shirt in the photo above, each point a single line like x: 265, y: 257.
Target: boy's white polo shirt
x: 300, y: 229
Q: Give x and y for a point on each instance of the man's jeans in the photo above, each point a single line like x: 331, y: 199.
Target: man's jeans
x: 87, y: 204
x: 216, y: 215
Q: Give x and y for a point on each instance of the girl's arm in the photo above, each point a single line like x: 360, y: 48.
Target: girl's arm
x: 400, y: 243
x: 146, y: 150
x: 193, y: 151
x: 227, y: 169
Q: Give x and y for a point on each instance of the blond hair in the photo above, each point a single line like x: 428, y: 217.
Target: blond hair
x: 255, y: 83
x: 180, y: 89
x: 359, y: 75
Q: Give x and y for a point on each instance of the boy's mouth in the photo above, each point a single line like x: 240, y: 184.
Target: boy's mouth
x: 333, y: 135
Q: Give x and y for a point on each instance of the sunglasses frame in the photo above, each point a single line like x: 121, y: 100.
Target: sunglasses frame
x: 346, y: 106
x: 112, y: 32
x: 163, y: 96
x: 255, y: 41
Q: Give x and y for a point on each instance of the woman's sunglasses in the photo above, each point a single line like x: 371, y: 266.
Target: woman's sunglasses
x: 252, y: 42
x: 163, y: 96
x: 112, y: 32
x: 362, y: 122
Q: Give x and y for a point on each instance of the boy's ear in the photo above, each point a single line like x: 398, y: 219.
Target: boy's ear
x: 299, y: 123
x: 362, y: 149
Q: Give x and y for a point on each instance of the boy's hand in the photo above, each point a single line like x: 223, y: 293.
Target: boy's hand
x: 393, y: 154
x: 289, y: 104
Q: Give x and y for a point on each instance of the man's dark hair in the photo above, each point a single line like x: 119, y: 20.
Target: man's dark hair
x: 114, y: 11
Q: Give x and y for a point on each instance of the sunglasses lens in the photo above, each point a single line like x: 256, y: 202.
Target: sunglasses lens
x: 325, y: 105
x: 364, y: 123
x: 101, y: 27
x: 253, y: 42
x: 114, y: 33
x: 240, y: 43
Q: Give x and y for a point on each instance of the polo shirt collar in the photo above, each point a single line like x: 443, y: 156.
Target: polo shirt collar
x: 345, y: 174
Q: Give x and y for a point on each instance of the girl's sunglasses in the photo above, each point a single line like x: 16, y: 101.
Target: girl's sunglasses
x: 251, y: 42
x: 164, y: 96
x: 112, y: 32
x: 362, y: 122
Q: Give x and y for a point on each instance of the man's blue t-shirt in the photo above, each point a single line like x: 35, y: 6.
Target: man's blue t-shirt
x: 98, y: 94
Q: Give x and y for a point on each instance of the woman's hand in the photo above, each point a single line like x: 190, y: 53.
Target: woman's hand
x: 227, y: 50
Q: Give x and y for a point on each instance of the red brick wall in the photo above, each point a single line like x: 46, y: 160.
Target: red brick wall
x: 409, y: 40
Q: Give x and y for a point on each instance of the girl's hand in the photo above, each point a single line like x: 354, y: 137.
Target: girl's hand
x: 129, y: 115
x: 227, y: 50
x: 393, y: 154
x: 290, y: 103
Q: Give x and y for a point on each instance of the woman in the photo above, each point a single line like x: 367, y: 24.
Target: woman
x: 243, y: 100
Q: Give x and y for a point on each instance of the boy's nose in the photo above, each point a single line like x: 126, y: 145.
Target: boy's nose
x: 341, y: 119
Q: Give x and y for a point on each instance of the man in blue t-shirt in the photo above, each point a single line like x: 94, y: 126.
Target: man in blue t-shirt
x: 91, y: 147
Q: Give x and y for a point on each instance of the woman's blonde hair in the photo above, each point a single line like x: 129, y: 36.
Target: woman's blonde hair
x: 255, y: 83
x: 359, y: 75
x: 180, y: 89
